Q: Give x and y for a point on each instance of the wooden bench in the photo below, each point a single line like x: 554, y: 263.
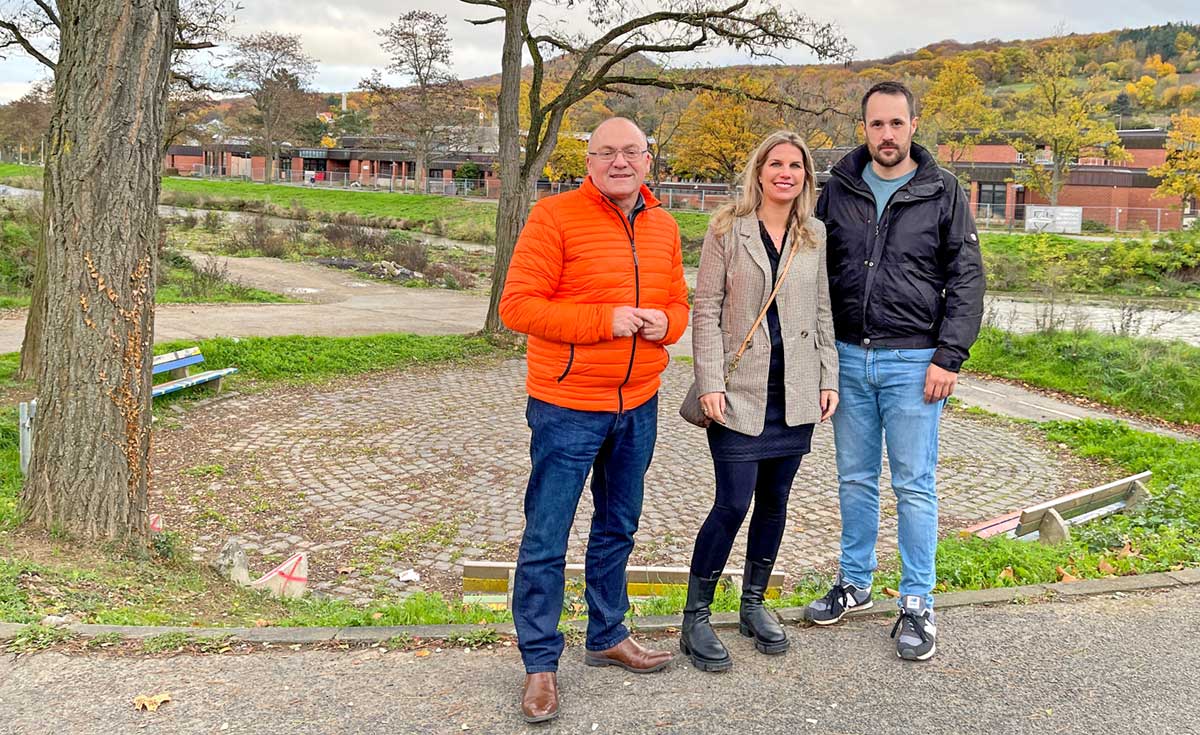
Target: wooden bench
x: 1050, y: 522
x: 175, y: 365
x: 491, y: 582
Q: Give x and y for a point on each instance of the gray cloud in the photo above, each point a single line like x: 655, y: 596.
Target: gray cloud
x: 342, y: 37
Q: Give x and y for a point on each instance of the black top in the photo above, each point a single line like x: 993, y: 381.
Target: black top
x: 777, y: 438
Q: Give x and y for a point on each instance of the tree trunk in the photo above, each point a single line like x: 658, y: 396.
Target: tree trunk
x: 1055, y: 183
x: 420, y: 171
x: 90, y: 466
x: 515, y: 194
x: 33, y: 344
x: 270, y: 155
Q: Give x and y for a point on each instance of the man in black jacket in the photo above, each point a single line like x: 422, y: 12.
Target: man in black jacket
x: 906, y: 282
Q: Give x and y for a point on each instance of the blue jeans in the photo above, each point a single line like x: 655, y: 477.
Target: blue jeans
x: 566, y: 443
x: 882, y: 398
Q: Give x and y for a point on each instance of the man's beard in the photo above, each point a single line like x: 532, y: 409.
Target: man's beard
x: 896, y: 155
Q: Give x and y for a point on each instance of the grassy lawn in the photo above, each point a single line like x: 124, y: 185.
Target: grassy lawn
x: 1147, y: 376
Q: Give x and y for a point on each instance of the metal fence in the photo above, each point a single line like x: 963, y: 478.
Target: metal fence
x: 677, y: 196
x: 1095, y: 219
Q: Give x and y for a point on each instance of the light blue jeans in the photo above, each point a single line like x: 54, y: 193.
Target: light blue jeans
x: 881, y: 396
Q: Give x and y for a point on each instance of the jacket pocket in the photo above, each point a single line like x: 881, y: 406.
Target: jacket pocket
x: 570, y: 363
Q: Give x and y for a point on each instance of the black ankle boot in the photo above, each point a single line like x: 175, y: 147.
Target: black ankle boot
x: 755, y: 620
x: 698, y: 640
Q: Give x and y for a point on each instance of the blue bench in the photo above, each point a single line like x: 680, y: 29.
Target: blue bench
x: 175, y: 364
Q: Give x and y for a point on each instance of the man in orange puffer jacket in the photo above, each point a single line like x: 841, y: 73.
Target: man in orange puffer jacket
x: 596, y: 281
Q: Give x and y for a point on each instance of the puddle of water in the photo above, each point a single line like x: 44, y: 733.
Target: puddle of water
x: 301, y: 290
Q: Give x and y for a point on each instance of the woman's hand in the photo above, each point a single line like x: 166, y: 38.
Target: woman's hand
x: 829, y: 402
x: 713, y: 405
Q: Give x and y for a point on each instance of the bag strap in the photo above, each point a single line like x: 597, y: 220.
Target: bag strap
x: 770, y: 299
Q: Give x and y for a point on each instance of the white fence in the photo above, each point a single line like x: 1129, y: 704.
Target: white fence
x: 1095, y: 219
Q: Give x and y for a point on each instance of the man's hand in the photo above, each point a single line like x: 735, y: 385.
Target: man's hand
x: 626, y: 321
x: 939, y: 383
x: 654, y: 324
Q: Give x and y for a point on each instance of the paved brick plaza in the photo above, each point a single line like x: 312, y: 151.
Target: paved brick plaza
x: 419, y: 469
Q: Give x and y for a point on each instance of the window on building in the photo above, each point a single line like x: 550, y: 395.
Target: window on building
x: 992, y: 198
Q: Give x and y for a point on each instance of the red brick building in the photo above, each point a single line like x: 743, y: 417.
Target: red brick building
x: 1117, y: 195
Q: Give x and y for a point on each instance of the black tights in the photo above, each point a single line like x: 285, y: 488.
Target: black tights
x: 769, y: 482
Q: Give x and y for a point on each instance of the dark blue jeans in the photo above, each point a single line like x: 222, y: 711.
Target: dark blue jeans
x: 566, y: 444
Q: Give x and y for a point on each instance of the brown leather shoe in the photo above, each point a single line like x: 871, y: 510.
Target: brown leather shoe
x: 630, y: 656
x: 539, y: 698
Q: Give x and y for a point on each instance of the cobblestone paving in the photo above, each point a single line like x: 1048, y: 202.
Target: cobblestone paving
x: 422, y: 469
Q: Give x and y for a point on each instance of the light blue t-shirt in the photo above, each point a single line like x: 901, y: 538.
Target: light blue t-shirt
x: 883, y: 189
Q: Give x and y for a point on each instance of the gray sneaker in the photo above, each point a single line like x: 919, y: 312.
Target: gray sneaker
x: 917, y: 627
x: 841, y: 599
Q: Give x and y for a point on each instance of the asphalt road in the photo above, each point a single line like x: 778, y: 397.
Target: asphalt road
x: 1110, y: 664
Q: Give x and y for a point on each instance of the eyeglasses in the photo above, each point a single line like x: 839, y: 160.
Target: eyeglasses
x: 608, y: 154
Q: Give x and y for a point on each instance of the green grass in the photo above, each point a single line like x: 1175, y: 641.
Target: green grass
x: 300, y: 359
x: 1152, y: 377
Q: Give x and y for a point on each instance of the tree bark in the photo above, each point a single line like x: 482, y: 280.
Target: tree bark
x: 515, y: 195
x: 90, y: 466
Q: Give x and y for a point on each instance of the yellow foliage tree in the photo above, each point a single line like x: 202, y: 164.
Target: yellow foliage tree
x: 719, y: 134
x: 569, y: 159
x: 1180, y: 174
x: 1184, y: 42
x: 1060, y: 117
x: 956, y: 110
x: 1142, y: 90
x: 1158, y: 67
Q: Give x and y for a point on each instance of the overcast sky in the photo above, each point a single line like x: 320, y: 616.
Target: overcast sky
x: 342, y: 40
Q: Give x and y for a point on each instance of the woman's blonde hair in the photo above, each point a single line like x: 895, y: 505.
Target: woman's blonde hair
x: 751, y: 196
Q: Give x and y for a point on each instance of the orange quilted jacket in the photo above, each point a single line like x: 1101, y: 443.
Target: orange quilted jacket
x: 576, y: 260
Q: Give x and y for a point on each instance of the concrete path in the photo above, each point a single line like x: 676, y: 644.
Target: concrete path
x: 1120, y: 663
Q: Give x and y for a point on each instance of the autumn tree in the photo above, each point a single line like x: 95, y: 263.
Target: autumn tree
x: 1060, y: 119
x: 957, y: 112
x: 598, y: 59
x: 24, y: 120
x: 1180, y: 174
x: 430, y: 112
x: 660, y: 112
x: 719, y: 134
x: 273, y: 70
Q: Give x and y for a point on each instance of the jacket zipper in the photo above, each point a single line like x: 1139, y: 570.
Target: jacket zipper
x: 570, y: 362
x: 627, y: 225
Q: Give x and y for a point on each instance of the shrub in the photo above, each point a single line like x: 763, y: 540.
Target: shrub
x: 212, y: 221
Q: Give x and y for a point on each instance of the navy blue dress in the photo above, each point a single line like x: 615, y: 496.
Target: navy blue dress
x: 777, y: 438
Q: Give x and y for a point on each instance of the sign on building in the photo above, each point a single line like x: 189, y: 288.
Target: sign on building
x: 1044, y: 218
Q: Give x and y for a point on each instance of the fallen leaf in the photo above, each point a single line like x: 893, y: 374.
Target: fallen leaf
x: 345, y: 570
x: 1008, y: 574
x: 1105, y: 568
x: 1065, y: 576
x: 260, y: 623
x: 376, y: 615
x: 890, y: 592
x: 422, y: 653
x: 150, y: 703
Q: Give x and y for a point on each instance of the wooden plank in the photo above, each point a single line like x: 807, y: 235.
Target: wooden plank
x: 176, y: 360
x: 1079, y: 502
x: 174, y: 386
x: 994, y: 526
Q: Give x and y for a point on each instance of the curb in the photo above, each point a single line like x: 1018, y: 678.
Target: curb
x: 648, y: 624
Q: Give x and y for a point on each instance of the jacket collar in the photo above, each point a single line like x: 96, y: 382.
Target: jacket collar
x: 750, y: 238
x: 588, y: 189
x: 851, y: 166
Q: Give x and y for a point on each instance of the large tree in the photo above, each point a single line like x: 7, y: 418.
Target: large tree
x: 430, y: 112
x: 719, y: 133
x: 957, y: 112
x: 273, y: 69
x: 1060, y: 119
x: 623, y: 30
x: 90, y: 465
